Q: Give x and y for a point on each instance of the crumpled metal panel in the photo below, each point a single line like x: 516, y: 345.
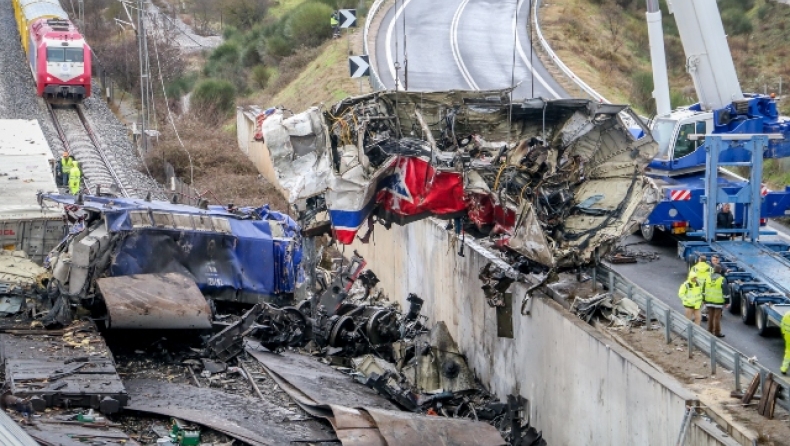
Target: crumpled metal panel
x: 319, y: 381
x: 248, y: 254
x: 298, y: 151
x: 253, y: 421
x: 384, y: 159
x: 402, y: 428
x: 320, y: 389
x: 152, y: 301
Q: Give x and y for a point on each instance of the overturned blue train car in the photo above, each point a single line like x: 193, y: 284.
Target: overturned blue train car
x: 248, y: 255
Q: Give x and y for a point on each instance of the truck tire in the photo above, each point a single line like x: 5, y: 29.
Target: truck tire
x: 735, y: 303
x: 747, y: 311
x: 764, y: 329
x: 648, y: 232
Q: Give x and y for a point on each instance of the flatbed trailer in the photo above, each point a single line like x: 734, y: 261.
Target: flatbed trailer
x: 759, y: 277
x: 758, y: 271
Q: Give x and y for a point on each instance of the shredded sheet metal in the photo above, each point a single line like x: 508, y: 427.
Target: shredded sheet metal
x: 557, y: 179
x: 314, y: 390
x: 253, y: 421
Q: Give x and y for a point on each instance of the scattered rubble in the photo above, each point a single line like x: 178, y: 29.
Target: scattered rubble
x: 255, y: 422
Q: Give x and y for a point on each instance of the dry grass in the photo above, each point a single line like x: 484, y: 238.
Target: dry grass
x: 607, y: 46
x: 221, y: 171
x: 324, y: 78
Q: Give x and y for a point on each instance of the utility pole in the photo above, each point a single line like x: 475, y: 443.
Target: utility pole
x: 142, y: 43
x: 405, y: 54
x: 81, y: 15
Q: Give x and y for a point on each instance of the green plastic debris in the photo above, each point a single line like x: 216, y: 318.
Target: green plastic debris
x: 182, y: 435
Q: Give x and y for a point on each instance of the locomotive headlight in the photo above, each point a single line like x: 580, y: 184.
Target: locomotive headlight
x: 82, y: 79
x: 49, y: 79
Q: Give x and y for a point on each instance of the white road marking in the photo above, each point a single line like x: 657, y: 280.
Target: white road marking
x: 524, y: 58
x: 390, y: 28
x: 454, y: 45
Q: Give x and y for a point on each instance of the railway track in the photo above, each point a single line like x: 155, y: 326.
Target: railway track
x: 80, y: 141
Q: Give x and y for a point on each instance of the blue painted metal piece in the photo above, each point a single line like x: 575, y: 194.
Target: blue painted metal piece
x: 245, y: 254
x: 748, y: 195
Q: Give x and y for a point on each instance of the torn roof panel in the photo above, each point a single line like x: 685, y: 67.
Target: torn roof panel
x: 404, y: 156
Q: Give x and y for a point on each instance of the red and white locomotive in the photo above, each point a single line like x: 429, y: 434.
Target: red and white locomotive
x: 56, y: 52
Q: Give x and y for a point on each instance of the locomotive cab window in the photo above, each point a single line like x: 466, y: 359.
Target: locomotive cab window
x: 56, y: 54
x: 73, y: 54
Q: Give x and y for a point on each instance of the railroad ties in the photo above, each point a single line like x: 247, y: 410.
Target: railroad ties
x: 79, y: 139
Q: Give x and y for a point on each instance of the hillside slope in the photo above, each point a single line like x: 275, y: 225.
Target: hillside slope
x: 606, y: 43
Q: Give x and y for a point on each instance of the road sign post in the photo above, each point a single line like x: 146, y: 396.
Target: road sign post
x: 359, y: 66
x: 348, y: 18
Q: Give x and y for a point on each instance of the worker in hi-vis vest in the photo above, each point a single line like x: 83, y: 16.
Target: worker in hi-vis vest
x: 786, y: 334
x: 75, y: 176
x: 691, y: 293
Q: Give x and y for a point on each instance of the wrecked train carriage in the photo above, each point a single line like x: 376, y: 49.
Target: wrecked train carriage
x: 555, y: 180
x: 242, y: 255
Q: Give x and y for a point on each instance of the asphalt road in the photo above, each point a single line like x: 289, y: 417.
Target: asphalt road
x: 469, y: 44
x: 663, y: 277
x: 461, y: 45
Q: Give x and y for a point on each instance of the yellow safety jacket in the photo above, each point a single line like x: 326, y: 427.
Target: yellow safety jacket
x: 66, y: 162
x: 714, y: 290
x: 702, y: 270
x: 786, y: 324
x: 333, y: 21
x: 691, y: 294
x: 74, y: 179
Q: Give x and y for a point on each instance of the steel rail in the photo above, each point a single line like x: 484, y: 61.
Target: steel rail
x: 93, y: 161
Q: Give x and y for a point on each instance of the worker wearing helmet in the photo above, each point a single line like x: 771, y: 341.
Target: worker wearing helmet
x: 75, y: 176
x: 786, y: 334
x: 701, y: 269
x: 66, y: 162
x: 691, y: 293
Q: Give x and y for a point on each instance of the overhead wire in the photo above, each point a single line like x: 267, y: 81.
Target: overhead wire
x: 170, y: 116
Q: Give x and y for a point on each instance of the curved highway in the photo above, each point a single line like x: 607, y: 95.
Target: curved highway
x: 470, y: 45
x: 461, y: 45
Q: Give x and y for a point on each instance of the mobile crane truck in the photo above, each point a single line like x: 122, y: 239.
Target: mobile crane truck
x: 679, y: 170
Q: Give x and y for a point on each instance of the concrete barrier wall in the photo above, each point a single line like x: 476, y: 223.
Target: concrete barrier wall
x: 582, y: 389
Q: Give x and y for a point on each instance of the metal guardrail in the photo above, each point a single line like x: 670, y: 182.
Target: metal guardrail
x: 676, y: 324
x: 375, y: 80
x: 556, y: 60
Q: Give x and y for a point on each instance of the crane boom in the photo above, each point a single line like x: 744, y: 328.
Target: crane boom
x: 708, y: 58
x: 655, y: 32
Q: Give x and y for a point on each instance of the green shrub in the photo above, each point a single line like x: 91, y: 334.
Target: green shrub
x: 228, y: 52
x: 642, y: 91
x: 309, y: 24
x: 260, y: 76
x: 277, y: 47
x: 739, y: 5
x: 214, y: 99
x: 735, y: 22
x: 230, y: 33
x: 244, y: 14
x: 181, y: 86
x: 250, y: 55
